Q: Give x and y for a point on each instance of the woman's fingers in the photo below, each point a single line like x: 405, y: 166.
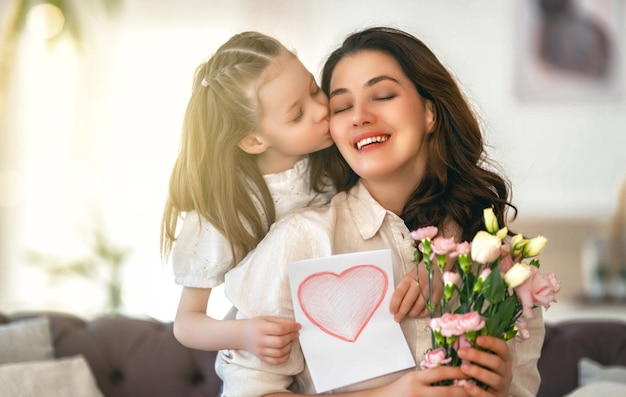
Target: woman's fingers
x: 407, y: 299
x: 492, y: 367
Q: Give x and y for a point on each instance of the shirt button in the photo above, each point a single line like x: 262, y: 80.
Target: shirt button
x: 427, y: 328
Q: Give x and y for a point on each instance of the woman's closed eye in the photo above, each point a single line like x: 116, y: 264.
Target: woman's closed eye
x: 339, y: 105
x: 339, y: 109
x: 385, y: 97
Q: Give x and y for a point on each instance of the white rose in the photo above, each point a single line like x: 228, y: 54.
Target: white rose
x: 517, y: 274
x: 485, y: 247
x: 534, y: 246
x: 491, y: 222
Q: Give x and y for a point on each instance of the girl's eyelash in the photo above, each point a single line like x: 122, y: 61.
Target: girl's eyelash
x: 299, y: 116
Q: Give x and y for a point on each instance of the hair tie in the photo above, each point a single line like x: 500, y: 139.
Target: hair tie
x: 205, y: 83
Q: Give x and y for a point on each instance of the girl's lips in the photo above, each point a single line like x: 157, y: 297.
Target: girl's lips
x: 364, y: 140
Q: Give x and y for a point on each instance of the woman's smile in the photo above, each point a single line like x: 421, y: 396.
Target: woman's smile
x: 366, y: 140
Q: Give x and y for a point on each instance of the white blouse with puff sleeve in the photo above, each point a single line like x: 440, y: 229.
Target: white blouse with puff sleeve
x: 201, y: 254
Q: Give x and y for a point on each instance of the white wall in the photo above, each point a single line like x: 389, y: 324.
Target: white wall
x: 565, y: 158
x: 98, y: 132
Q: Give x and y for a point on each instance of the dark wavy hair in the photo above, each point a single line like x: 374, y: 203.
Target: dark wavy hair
x: 459, y: 180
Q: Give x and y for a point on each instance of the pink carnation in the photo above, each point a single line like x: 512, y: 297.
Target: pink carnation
x: 434, y: 358
x: 461, y: 342
x: 463, y: 248
x: 447, y: 325
x: 538, y: 289
x: 424, y: 232
x: 472, y: 321
x: 443, y: 245
x: 451, y: 278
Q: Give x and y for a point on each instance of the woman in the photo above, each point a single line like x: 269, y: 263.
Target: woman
x: 410, y: 154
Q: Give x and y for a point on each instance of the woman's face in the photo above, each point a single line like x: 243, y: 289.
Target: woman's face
x: 378, y: 120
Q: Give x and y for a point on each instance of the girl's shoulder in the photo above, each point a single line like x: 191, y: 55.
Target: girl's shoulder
x: 306, y: 218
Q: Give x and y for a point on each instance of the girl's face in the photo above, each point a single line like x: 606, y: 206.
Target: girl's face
x: 378, y: 120
x: 294, y: 115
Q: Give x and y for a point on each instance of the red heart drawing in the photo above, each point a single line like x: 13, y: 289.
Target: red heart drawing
x: 342, y: 304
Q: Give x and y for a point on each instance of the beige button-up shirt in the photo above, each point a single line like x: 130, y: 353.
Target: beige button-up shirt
x: 352, y: 222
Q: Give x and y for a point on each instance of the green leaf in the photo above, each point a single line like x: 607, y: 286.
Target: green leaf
x: 502, y: 316
x: 494, y: 287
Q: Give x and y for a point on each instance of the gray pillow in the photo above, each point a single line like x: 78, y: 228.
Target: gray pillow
x: 590, y: 371
x: 26, y: 340
x: 600, y: 389
x: 64, y: 377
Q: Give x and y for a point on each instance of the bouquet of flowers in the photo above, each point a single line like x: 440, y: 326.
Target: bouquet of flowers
x: 493, y: 288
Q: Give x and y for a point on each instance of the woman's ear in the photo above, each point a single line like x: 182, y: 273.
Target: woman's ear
x: 251, y: 144
x: 430, y: 116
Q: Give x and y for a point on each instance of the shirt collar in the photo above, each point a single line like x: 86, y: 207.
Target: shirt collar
x: 366, y: 211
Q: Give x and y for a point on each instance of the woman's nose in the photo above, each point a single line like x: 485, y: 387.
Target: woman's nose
x: 361, y: 115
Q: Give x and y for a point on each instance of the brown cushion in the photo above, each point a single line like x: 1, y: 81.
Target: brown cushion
x: 567, y: 342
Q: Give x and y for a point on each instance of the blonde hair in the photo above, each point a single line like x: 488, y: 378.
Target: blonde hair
x: 212, y: 175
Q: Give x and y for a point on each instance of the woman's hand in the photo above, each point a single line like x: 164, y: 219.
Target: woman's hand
x: 411, y: 294
x: 270, y: 338
x: 419, y: 384
x: 492, y: 369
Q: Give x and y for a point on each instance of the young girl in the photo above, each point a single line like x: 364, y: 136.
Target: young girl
x: 410, y: 154
x: 254, y: 115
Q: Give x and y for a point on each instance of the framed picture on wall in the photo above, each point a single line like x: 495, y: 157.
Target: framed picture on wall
x: 568, y: 50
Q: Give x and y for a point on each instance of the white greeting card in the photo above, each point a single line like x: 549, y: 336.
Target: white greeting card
x: 348, y: 334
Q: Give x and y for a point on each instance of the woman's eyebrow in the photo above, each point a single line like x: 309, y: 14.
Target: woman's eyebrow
x: 371, y: 82
x: 378, y: 79
x: 336, y: 92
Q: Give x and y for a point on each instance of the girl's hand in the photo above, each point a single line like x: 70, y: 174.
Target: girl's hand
x: 493, y: 369
x: 418, y: 384
x: 410, y: 296
x: 270, y: 338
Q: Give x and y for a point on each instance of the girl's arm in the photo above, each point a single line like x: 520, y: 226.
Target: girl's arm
x: 268, y: 338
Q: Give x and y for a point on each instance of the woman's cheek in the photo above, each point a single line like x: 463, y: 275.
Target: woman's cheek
x: 333, y: 126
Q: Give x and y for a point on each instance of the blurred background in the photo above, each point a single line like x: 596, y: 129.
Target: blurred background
x: 92, y: 100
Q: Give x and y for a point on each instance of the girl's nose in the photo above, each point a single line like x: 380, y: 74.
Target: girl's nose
x: 321, y: 111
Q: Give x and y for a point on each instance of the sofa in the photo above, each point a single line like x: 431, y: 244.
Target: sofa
x: 132, y: 357
x: 129, y: 357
